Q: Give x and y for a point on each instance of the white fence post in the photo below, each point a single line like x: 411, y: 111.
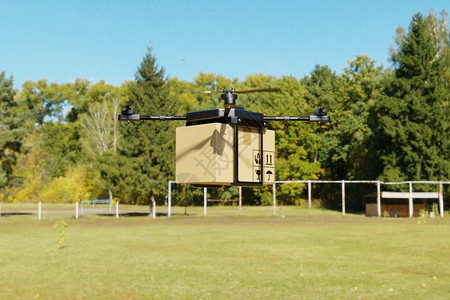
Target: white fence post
x: 154, y: 209
x: 240, y: 200
x: 309, y: 197
x: 274, y: 196
x: 378, y: 199
x: 411, y: 209
x: 441, y: 199
x: 39, y: 210
x: 76, y: 210
x: 205, y: 200
x: 343, y: 197
x: 169, y: 199
x: 117, y: 209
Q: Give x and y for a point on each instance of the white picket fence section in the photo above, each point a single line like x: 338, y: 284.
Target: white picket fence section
x: 380, y: 194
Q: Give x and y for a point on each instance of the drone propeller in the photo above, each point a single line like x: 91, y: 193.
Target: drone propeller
x: 198, y: 92
x: 229, y: 96
x: 257, y: 91
x: 234, y: 91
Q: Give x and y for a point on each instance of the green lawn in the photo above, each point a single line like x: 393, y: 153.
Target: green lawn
x: 225, y: 256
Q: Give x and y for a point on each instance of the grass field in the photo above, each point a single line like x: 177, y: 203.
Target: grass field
x: 224, y: 256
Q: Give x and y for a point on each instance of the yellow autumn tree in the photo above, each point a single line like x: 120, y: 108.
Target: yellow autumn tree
x: 75, y: 186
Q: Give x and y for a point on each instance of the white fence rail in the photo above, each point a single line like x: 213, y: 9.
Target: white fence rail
x: 380, y: 194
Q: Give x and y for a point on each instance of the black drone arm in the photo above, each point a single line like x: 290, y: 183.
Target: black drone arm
x: 318, y: 116
x: 130, y: 115
x: 136, y: 117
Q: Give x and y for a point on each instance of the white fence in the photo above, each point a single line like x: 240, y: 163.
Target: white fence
x: 409, y: 195
x: 40, y: 212
x: 379, y: 195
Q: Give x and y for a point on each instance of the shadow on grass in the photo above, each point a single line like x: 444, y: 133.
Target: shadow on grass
x: 132, y: 214
x: 142, y: 214
x: 3, y: 214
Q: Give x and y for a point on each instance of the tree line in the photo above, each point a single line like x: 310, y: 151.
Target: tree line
x: 63, y: 143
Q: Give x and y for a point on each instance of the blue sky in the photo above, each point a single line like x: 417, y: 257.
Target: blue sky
x: 106, y: 40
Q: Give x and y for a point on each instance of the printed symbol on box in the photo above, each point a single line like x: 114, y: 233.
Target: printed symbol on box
x: 269, y: 159
x: 258, y: 174
x: 257, y: 158
x: 268, y: 173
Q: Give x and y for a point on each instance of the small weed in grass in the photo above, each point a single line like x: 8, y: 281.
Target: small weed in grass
x: 422, y: 219
x: 60, y: 231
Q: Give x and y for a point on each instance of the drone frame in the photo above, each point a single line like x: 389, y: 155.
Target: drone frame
x: 234, y: 116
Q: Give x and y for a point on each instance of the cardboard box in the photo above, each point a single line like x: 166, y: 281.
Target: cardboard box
x: 205, y: 155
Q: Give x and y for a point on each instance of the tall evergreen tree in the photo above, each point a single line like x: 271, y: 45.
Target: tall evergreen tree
x: 414, y: 112
x: 11, y: 133
x: 149, y: 145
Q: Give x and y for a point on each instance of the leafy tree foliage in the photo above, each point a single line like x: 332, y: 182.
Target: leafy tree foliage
x: 349, y: 99
x: 60, y: 145
x: 45, y: 101
x: 414, y: 110
x: 31, y: 166
x: 349, y: 138
x: 11, y: 133
x: 324, y: 88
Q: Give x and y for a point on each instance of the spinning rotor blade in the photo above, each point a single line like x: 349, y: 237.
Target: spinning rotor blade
x: 257, y: 90
x: 198, y: 92
x: 234, y: 92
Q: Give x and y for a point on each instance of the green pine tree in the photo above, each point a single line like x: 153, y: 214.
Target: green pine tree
x: 414, y: 112
x: 11, y: 134
x: 149, y: 146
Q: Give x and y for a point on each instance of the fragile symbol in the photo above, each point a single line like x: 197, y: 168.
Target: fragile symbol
x: 258, y: 173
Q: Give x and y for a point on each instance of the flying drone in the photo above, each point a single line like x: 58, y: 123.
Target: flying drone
x: 227, y: 146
